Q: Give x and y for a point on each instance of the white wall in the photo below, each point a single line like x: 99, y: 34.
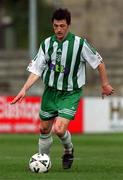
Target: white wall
x: 103, y: 115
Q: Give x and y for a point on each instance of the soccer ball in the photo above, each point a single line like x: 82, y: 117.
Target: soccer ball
x: 39, y: 163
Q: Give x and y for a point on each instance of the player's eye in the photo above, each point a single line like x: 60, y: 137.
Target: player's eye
x: 55, y: 25
x: 62, y: 25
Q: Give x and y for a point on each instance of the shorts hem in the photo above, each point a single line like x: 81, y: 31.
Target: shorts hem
x: 66, y: 116
x: 46, y: 119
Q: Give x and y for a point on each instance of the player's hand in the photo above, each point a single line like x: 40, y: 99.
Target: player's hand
x: 19, y: 97
x: 107, y: 90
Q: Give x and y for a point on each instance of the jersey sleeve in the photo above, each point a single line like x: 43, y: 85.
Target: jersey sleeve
x: 90, y: 55
x: 38, y: 64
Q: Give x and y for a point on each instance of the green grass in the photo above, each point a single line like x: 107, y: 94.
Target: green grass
x: 97, y: 157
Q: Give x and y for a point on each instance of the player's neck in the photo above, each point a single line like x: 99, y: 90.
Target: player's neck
x: 62, y: 39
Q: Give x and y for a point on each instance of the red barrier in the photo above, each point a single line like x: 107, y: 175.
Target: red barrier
x: 24, y: 117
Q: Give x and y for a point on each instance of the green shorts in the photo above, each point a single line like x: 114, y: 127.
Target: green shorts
x: 59, y: 103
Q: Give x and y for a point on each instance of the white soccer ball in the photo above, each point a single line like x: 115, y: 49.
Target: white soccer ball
x: 39, y: 163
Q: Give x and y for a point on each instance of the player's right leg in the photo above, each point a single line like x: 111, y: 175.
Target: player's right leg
x: 45, y: 139
x: 47, y: 114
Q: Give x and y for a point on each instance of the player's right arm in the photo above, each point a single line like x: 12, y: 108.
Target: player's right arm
x: 30, y: 81
x: 35, y: 67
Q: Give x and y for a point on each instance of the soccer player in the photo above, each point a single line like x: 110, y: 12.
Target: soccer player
x: 60, y: 62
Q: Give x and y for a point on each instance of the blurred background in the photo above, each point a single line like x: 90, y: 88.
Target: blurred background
x: 23, y: 24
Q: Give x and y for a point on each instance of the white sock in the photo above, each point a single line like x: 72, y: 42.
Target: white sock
x: 45, y: 142
x: 67, y: 143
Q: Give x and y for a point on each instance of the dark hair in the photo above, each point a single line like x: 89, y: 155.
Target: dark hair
x: 61, y: 14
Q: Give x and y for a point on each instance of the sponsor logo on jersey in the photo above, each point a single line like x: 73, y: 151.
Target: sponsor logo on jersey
x: 59, y: 68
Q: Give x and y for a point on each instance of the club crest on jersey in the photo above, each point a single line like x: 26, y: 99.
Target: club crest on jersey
x: 58, y: 55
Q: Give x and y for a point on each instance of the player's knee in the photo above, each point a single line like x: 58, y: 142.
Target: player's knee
x: 59, y: 131
x: 44, y: 130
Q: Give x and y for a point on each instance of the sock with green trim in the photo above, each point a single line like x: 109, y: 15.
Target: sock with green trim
x: 45, y: 142
x: 67, y: 143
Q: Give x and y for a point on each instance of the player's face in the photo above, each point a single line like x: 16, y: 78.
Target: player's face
x: 61, y: 28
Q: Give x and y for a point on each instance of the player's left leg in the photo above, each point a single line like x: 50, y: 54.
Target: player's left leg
x: 67, y: 103
x: 60, y: 129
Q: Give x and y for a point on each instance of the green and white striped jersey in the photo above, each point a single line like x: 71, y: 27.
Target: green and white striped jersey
x: 62, y: 64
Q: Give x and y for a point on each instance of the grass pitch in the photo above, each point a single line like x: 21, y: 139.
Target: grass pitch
x: 97, y: 157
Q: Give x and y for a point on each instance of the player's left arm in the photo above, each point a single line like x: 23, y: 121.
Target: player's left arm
x: 107, y: 89
x: 90, y: 55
